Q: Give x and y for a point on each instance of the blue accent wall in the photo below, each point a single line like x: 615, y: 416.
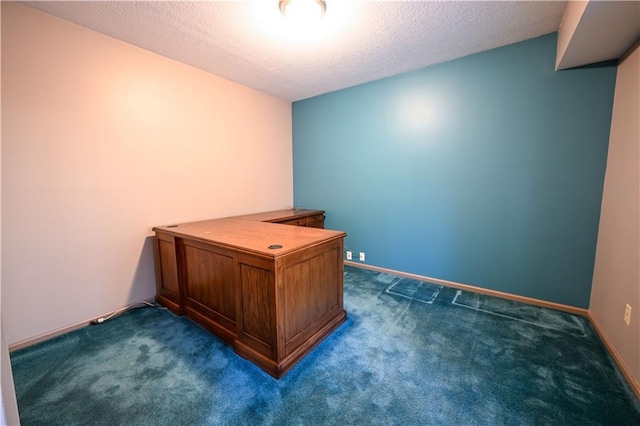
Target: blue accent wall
x: 486, y: 170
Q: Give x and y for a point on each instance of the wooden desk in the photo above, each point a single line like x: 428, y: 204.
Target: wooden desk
x: 298, y: 217
x: 273, y: 304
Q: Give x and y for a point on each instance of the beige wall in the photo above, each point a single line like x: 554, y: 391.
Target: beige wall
x: 616, y: 279
x: 8, y: 403
x: 570, y: 21
x: 101, y: 142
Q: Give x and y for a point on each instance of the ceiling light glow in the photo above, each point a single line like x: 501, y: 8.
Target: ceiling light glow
x: 274, y: 27
x: 303, y: 10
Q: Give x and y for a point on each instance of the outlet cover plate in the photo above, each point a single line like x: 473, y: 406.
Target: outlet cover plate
x: 627, y: 314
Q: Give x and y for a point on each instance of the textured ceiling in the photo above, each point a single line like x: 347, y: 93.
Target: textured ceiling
x: 249, y: 42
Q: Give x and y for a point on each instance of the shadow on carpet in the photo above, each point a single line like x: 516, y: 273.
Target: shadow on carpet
x: 395, y: 360
x: 541, y: 317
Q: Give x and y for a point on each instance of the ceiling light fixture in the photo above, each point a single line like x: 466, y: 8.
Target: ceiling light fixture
x: 303, y: 9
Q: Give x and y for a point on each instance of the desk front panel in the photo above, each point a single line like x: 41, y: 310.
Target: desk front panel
x: 210, y: 290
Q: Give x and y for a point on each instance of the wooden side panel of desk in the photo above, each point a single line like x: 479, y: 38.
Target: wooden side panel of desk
x: 286, y: 314
x: 167, y: 282
x: 306, y: 295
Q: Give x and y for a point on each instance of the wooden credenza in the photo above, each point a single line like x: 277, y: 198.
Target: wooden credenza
x: 272, y: 291
x: 297, y: 217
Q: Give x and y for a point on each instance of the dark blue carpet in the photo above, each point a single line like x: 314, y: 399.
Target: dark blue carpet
x: 395, y: 360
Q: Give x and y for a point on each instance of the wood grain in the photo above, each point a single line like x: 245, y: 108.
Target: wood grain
x: 273, y: 305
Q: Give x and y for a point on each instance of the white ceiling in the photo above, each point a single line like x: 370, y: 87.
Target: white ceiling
x: 356, y: 41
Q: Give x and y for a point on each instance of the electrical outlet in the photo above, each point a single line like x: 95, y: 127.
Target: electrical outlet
x: 627, y: 314
x: 361, y: 256
x: 349, y: 256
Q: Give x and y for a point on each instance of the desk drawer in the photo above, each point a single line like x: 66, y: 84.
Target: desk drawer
x: 300, y: 221
x: 313, y: 221
x: 316, y: 222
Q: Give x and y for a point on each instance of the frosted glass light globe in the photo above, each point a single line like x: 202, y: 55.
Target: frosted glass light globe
x: 303, y: 10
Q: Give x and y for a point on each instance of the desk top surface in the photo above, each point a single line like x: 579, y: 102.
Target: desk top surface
x: 252, y: 235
